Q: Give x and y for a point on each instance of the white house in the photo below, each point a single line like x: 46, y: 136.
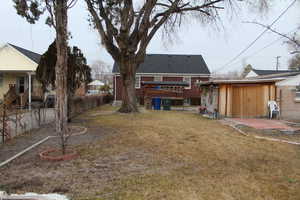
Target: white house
x: 17, y: 73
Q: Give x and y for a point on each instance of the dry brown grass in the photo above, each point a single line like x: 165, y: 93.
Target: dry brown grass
x: 171, y: 155
x: 199, y: 158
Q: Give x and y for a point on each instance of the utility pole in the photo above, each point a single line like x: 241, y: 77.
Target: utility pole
x: 277, y: 62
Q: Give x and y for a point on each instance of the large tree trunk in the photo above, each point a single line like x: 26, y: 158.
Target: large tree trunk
x: 129, y: 98
x: 61, y: 70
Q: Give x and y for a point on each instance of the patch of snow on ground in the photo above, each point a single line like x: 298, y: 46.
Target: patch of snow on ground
x: 51, y: 196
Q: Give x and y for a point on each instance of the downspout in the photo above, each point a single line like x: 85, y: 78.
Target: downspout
x: 218, y: 102
x: 226, y: 96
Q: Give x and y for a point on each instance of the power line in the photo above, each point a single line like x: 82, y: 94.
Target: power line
x: 257, y: 38
x: 267, y: 46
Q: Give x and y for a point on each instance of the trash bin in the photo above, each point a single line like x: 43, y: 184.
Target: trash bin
x: 156, y: 103
x: 166, y: 104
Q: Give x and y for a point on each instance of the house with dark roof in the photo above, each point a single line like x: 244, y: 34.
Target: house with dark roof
x: 165, y: 68
x: 17, y: 74
x: 258, y: 73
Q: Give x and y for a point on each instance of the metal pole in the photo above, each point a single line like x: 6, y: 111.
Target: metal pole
x: 277, y: 62
x: 29, y: 85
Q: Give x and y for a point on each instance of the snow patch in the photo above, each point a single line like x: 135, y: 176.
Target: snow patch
x: 29, y: 195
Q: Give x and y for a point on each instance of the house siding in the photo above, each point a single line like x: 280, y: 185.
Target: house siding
x: 11, y: 59
x: 289, y: 108
x: 193, y: 92
x: 8, y: 78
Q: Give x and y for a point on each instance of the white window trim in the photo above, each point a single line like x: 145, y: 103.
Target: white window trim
x: 189, y: 81
x: 137, y: 82
x: 160, y: 78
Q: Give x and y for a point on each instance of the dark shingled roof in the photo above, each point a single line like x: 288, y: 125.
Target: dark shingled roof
x: 164, y: 63
x: 31, y: 55
x: 269, y: 72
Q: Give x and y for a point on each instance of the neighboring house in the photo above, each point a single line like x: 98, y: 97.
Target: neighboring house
x: 249, y: 97
x: 254, y: 73
x: 94, y: 87
x: 17, y: 74
x: 288, y: 97
x: 168, y: 68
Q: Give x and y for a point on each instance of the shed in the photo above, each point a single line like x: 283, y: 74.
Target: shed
x: 238, y: 98
x: 96, y: 83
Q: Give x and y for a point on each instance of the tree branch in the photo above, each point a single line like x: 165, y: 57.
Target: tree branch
x: 293, y: 40
x: 106, y: 38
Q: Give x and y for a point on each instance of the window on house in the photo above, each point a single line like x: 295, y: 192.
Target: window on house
x: 1, y: 79
x: 188, y: 80
x: 137, y: 82
x: 158, y: 78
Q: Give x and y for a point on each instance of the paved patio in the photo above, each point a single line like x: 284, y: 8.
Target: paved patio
x: 264, y: 124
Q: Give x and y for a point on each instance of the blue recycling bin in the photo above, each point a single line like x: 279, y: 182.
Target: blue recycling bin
x: 156, y: 103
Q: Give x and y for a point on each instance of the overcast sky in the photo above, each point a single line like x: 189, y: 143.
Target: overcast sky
x: 216, y: 46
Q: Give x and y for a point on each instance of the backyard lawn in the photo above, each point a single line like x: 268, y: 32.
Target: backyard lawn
x: 172, y: 155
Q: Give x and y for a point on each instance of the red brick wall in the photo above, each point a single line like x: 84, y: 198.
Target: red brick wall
x: 194, y: 92
x: 172, y: 78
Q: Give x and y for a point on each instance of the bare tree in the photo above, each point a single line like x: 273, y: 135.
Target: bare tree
x: 246, y: 69
x: 58, y: 18
x: 101, y: 70
x: 126, y: 28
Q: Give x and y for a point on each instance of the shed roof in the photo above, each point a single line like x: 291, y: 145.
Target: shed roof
x: 167, y: 63
x: 96, y: 83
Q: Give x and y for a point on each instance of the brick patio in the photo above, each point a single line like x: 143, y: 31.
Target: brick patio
x: 264, y: 124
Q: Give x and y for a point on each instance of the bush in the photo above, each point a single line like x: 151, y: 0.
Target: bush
x: 84, y: 103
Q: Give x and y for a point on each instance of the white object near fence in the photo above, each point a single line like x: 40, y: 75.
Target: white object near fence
x: 273, y: 108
